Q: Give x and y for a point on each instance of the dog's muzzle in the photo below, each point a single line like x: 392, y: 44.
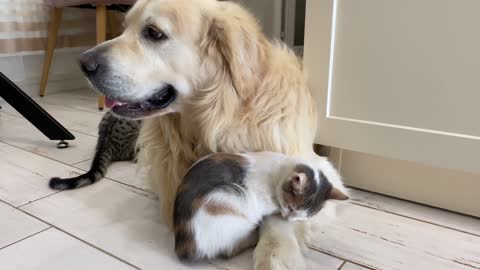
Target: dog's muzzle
x: 95, y: 67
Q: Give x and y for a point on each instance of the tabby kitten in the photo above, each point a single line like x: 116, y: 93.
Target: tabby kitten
x: 223, y: 198
x: 117, y: 138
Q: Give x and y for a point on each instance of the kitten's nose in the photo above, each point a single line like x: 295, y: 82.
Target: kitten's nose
x: 89, y: 62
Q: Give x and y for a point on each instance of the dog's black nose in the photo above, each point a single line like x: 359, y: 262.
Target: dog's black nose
x: 89, y: 62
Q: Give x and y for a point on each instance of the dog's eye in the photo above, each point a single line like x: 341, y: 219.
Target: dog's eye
x: 152, y: 33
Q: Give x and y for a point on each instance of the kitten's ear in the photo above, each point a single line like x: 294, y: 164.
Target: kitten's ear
x: 337, y: 194
x: 298, y: 182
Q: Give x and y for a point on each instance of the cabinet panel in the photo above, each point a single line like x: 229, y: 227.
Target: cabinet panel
x: 411, y: 62
x: 397, y: 78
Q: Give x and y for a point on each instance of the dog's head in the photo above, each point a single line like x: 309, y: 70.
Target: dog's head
x: 169, y: 50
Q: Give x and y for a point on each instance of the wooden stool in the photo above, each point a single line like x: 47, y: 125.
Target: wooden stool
x: 56, y: 17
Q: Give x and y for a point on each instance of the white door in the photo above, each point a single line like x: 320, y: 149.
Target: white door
x: 398, y: 78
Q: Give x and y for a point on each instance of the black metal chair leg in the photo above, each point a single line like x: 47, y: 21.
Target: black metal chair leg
x: 35, y: 114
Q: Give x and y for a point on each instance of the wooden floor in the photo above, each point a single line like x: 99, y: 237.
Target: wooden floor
x: 115, y: 223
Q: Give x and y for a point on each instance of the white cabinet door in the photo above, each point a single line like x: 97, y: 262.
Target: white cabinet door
x: 398, y: 78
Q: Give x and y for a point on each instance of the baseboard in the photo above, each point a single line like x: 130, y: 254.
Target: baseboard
x: 453, y: 190
x: 26, y: 70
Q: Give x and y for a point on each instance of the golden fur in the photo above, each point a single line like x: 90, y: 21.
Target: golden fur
x: 236, y: 92
x: 256, y: 99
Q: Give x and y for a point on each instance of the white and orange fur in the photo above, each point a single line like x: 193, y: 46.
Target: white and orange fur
x: 224, y: 197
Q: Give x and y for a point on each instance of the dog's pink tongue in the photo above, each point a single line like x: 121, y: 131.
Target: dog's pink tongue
x: 109, y: 103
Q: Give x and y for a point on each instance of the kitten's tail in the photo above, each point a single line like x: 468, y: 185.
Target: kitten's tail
x: 97, y: 170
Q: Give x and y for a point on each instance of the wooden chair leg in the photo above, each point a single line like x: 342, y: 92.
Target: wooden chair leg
x: 110, y: 26
x: 101, y: 37
x: 54, y: 24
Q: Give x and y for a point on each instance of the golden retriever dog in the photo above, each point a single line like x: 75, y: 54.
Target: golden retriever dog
x: 207, y: 80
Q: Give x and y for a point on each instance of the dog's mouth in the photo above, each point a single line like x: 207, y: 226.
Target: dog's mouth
x: 144, y: 108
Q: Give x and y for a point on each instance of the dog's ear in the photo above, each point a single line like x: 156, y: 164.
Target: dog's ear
x: 237, y: 44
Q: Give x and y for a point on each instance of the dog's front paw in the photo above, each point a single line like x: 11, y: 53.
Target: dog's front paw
x: 278, y: 248
x: 279, y: 258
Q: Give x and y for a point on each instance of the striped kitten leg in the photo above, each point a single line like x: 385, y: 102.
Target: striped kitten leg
x: 116, y: 142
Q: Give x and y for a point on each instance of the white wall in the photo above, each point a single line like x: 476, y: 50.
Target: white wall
x: 268, y: 13
x: 25, y: 69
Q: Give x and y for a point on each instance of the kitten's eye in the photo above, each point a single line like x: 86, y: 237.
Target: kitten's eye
x: 152, y: 33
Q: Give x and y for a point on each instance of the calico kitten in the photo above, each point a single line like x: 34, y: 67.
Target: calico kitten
x: 117, y: 138
x: 223, y: 198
